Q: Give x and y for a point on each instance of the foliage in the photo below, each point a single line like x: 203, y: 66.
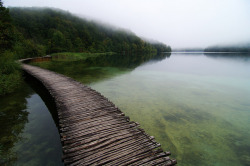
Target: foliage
x: 27, y: 49
x: 33, y: 32
x: 60, y: 31
x: 243, y: 48
x: 9, y: 72
x: 6, y: 29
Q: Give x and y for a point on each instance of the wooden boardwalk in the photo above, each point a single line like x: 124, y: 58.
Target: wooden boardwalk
x: 93, y: 130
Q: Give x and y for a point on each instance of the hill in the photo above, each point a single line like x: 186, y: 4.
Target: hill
x: 244, y: 48
x: 188, y: 50
x: 32, y: 32
x: 46, y: 30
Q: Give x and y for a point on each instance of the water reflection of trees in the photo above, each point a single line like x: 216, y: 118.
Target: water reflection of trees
x: 229, y: 54
x: 13, y: 113
x: 39, y: 88
x: 13, y: 117
x: 130, y: 61
x: 234, y: 56
x: 98, y: 68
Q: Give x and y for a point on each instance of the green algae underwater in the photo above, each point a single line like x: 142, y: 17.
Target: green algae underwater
x: 197, y: 106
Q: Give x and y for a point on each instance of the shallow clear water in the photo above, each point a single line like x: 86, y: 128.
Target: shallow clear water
x: 29, y: 135
x: 197, y: 106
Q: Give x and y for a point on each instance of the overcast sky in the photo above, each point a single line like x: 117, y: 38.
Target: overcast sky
x: 178, y: 23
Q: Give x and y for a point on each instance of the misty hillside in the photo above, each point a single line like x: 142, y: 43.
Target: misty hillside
x: 49, y: 30
x: 244, y: 48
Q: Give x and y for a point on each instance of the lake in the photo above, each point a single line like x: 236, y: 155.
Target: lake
x: 29, y: 135
x: 196, y: 105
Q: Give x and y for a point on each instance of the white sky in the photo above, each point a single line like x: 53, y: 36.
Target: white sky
x: 178, y: 23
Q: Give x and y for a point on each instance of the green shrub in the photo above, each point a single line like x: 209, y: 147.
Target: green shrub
x: 10, y: 75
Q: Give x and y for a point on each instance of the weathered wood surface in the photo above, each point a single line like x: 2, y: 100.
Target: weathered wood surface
x: 93, y: 130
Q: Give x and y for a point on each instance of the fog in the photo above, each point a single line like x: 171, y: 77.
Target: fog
x: 178, y: 23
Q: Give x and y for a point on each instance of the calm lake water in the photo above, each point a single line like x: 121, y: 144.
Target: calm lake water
x: 197, y: 106
x: 29, y: 135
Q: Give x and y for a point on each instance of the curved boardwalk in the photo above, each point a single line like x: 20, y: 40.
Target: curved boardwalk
x: 93, y: 130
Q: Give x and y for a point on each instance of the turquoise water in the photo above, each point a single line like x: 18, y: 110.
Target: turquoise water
x: 197, y: 106
x: 29, y: 135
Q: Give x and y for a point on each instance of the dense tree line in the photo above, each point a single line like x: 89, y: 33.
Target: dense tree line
x: 32, y: 32
x: 243, y: 49
x: 49, y: 30
x: 9, y: 70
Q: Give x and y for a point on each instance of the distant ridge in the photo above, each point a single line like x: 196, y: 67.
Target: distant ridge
x: 188, y: 50
x: 244, y: 48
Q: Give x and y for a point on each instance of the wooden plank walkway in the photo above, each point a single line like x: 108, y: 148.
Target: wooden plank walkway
x: 93, y: 130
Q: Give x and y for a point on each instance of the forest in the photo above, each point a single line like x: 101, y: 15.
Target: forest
x: 241, y: 48
x: 33, y: 32
x: 52, y: 30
